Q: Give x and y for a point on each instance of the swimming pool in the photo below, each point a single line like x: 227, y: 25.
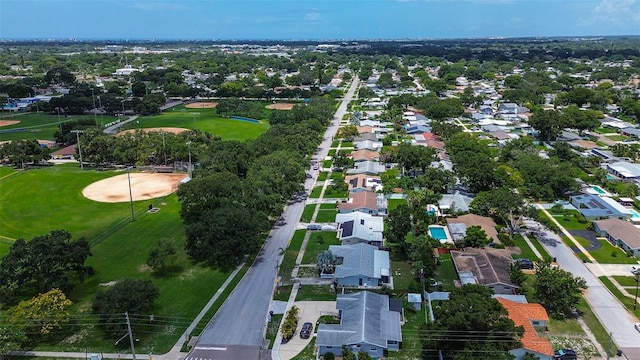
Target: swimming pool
x: 438, y: 233
x: 600, y: 191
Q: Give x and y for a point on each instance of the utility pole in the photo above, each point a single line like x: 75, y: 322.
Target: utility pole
x: 77, y: 132
x: 133, y: 349
x: 133, y: 214
x: 95, y: 119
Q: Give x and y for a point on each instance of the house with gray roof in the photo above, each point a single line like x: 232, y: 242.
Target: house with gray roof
x: 367, y: 167
x: 597, y: 207
x: 368, y: 144
x: 620, y: 233
x: 358, y: 227
x: 360, y: 265
x: 624, y: 170
x: 366, y: 324
x: 454, y: 203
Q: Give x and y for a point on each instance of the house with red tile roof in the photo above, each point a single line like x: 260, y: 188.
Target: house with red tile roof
x: 530, y: 317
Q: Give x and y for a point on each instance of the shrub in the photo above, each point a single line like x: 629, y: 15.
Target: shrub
x: 328, y: 356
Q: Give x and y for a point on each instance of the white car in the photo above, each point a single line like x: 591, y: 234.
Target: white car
x: 637, y: 326
x: 635, y: 269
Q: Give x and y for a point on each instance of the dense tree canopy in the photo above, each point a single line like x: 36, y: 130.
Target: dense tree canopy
x: 558, y: 290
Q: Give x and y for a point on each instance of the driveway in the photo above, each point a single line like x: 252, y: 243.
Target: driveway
x: 310, y: 311
x: 594, y: 243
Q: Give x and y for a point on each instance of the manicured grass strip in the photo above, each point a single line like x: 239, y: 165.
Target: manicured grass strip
x: 346, y: 144
x: 296, y: 241
x: 331, y: 193
x: 394, y: 203
x: 445, y: 271
x: 322, y: 176
x: 272, y: 328
x: 525, y: 250
x: 411, y: 331
x: 625, y: 300
x: 315, y: 293
x: 282, y: 293
x: 307, y: 213
x: 315, y: 192
x: 327, y: 163
x: 38, y: 126
x: 601, y: 335
x: 337, y: 176
x: 570, y: 222
x: 538, y: 246
x: 318, y: 242
x: 331, y: 206
x: 609, y: 254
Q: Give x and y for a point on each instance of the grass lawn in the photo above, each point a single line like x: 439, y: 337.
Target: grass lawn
x: 183, y: 291
x: 282, y: 293
x: 346, y: 144
x: 326, y: 216
x: 307, y: 213
x: 445, y: 271
x: 538, y: 246
x: 606, y: 130
x: 403, y: 277
x: 331, y: 152
x: 207, y: 120
x: 625, y: 280
x: 331, y: 206
x: 327, y: 163
x: 6, y: 171
x: 616, y: 137
x: 296, y: 241
x: 335, y: 143
x: 582, y: 241
x: 315, y: 192
x: 322, y: 176
x: 54, y: 194
x: 318, y: 242
x: 337, y: 176
x: 571, y: 223
x: 37, y: 126
x: 393, y: 203
x: 411, y: 330
x: 625, y: 300
x: 525, y: 250
x: 331, y: 193
x: 291, y: 254
x: 315, y: 293
x: 272, y: 328
x: 308, y: 353
x: 609, y: 254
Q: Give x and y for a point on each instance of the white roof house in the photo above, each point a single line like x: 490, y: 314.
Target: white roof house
x: 358, y: 227
x: 126, y: 71
x: 624, y: 170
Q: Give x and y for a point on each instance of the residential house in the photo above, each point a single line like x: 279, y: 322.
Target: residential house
x: 490, y: 268
x: 418, y: 129
x: 365, y: 155
x: 363, y: 182
x: 625, y: 170
x: 598, y: 207
x: 367, y: 167
x: 620, y: 233
x: 530, y: 317
x: 366, y: 324
x: 358, y: 227
x: 451, y: 203
x: 360, y: 265
x: 486, y: 223
x: 367, y: 136
x: 365, y: 201
x: 365, y: 130
x: 368, y: 145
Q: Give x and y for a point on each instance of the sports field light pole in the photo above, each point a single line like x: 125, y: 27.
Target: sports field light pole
x: 59, y: 120
x: 101, y: 118
x: 77, y: 132
x: 164, y: 149
x: 95, y: 118
x: 189, y: 147
x: 133, y: 214
x: 195, y: 124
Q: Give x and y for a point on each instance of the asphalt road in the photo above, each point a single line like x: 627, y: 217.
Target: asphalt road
x: 613, y: 316
x: 242, y: 319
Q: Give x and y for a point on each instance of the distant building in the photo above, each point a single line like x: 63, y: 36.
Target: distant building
x: 125, y: 71
x: 598, y: 207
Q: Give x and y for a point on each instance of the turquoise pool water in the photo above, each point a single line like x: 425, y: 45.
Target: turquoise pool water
x: 636, y: 215
x: 598, y: 189
x: 438, y: 233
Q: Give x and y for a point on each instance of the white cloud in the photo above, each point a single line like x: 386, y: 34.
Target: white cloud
x: 618, y: 12
x: 312, y: 16
x: 158, y: 6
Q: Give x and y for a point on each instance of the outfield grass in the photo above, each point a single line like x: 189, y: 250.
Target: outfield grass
x: 38, y: 126
x: 207, y: 120
x: 34, y: 202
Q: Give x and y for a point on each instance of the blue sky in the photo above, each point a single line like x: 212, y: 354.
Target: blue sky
x: 315, y: 19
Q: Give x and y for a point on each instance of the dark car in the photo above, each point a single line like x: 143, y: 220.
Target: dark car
x: 306, y: 330
x: 524, y: 263
x: 565, y: 354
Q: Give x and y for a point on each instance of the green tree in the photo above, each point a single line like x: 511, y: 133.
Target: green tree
x: 549, y: 123
x: 469, y: 322
x: 44, y: 263
x: 164, y: 252
x: 516, y: 275
x: 348, y: 133
x: 326, y: 262
x: 398, y: 224
x: 132, y: 296
x: 557, y: 290
x: 505, y: 205
x: 475, y: 237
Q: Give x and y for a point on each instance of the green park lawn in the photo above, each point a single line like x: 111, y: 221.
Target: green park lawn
x: 39, y: 126
x: 34, y: 202
x: 318, y: 241
x: 206, y: 120
x: 393, y: 203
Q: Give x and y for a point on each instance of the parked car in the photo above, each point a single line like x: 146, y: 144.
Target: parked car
x: 314, y: 227
x: 434, y: 283
x: 635, y: 269
x: 565, y: 354
x: 637, y: 326
x: 524, y: 263
x: 306, y: 330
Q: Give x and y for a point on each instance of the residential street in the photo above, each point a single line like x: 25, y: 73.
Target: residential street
x: 613, y: 316
x: 237, y: 330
